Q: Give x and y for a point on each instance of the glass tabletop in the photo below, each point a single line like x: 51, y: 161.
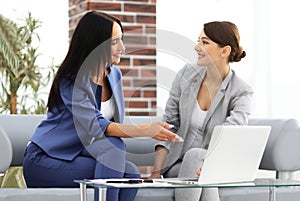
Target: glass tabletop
x: 182, y: 183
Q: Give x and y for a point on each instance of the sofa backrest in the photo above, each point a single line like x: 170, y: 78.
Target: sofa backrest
x: 140, y: 150
x: 282, y: 152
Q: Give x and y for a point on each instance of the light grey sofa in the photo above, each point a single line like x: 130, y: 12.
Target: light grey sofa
x: 282, y: 155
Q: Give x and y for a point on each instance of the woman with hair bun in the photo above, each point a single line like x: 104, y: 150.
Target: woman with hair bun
x: 203, y: 96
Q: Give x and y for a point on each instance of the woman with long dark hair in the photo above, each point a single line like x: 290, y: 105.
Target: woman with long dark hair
x: 81, y: 136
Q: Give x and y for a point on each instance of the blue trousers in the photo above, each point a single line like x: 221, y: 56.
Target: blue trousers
x: 102, y: 159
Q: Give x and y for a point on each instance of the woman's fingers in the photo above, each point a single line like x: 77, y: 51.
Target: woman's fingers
x: 164, y: 134
x: 168, y: 126
x: 172, y: 137
x: 177, y: 139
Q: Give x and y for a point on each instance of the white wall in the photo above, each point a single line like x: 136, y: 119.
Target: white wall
x: 53, y: 33
x: 54, y: 28
x: 269, y: 35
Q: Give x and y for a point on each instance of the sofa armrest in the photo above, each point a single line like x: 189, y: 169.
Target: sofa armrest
x: 6, y: 153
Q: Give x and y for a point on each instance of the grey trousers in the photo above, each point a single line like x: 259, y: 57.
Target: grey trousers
x: 192, y: 161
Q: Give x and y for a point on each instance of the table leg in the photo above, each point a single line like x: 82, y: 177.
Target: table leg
x: 82, y: 192
x: 102, y: 194
x: 272, y: 194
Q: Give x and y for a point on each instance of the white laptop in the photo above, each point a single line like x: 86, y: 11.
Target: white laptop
x: 234, y: 155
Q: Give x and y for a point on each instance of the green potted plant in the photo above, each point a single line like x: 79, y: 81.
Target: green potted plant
x: 21, y: 79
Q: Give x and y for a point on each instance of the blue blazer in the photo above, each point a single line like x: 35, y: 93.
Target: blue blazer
x: 65, y: 132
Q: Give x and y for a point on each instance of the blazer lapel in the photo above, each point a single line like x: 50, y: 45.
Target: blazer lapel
x: 188, y: 96
x: 219, y: 96
x: 191, y: 96
x: 212, y: 108
x: 117, y: 93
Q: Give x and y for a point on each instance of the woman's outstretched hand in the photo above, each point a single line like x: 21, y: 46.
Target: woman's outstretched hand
x: 160, y: 131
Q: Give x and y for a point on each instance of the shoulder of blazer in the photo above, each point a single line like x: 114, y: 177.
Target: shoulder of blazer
x: 190, y: 72
x: 115, y: 76
x: 238, y: 85
x: 115, y: 71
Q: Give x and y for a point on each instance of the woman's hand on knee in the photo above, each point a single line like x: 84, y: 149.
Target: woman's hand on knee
x: 155, y: 175
x: 198, y: 172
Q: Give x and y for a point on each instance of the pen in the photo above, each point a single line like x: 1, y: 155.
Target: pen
x: 131, y: 181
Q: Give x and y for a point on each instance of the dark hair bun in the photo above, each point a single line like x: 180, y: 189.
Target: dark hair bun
x: 239, y: 56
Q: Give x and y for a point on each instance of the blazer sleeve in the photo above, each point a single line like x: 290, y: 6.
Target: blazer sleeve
x: 171, y: 114
x: 240, y: 107
x: 80, y: 101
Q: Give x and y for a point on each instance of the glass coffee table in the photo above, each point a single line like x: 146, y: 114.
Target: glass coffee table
x: 104, y: 184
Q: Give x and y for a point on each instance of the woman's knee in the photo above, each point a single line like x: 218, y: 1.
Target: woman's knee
x: 195, y: 154
x: 131, y: 170
x: 108, y: 145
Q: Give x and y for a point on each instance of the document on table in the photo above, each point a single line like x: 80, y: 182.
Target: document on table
x: 131, y: 183
x: 156, y: 183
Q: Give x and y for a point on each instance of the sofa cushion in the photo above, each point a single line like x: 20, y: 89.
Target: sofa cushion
x: 226, y: 194
x: 43, y: 194
x: 161, y: 194
x: 259, y: 194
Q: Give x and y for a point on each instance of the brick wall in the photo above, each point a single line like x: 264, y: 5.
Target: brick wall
x: 138, y: 66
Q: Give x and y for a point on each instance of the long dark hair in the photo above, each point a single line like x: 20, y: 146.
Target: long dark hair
x: 93, y: 29
x: 226, y: 33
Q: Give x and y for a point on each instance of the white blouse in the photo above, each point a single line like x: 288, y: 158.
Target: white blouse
x: 197, y: 120
x: 108, y: 108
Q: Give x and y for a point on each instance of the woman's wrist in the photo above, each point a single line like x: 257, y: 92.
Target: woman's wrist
x: 156, y: 172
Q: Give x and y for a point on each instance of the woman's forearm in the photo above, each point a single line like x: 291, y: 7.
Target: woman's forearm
x: 156, y: 130
x: 160, y: 156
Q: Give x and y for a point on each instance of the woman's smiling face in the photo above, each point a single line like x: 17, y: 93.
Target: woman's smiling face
x: 117, y: 46
x: 208, y: 51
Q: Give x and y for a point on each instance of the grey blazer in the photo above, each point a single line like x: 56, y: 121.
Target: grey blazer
x: 231, y: 106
